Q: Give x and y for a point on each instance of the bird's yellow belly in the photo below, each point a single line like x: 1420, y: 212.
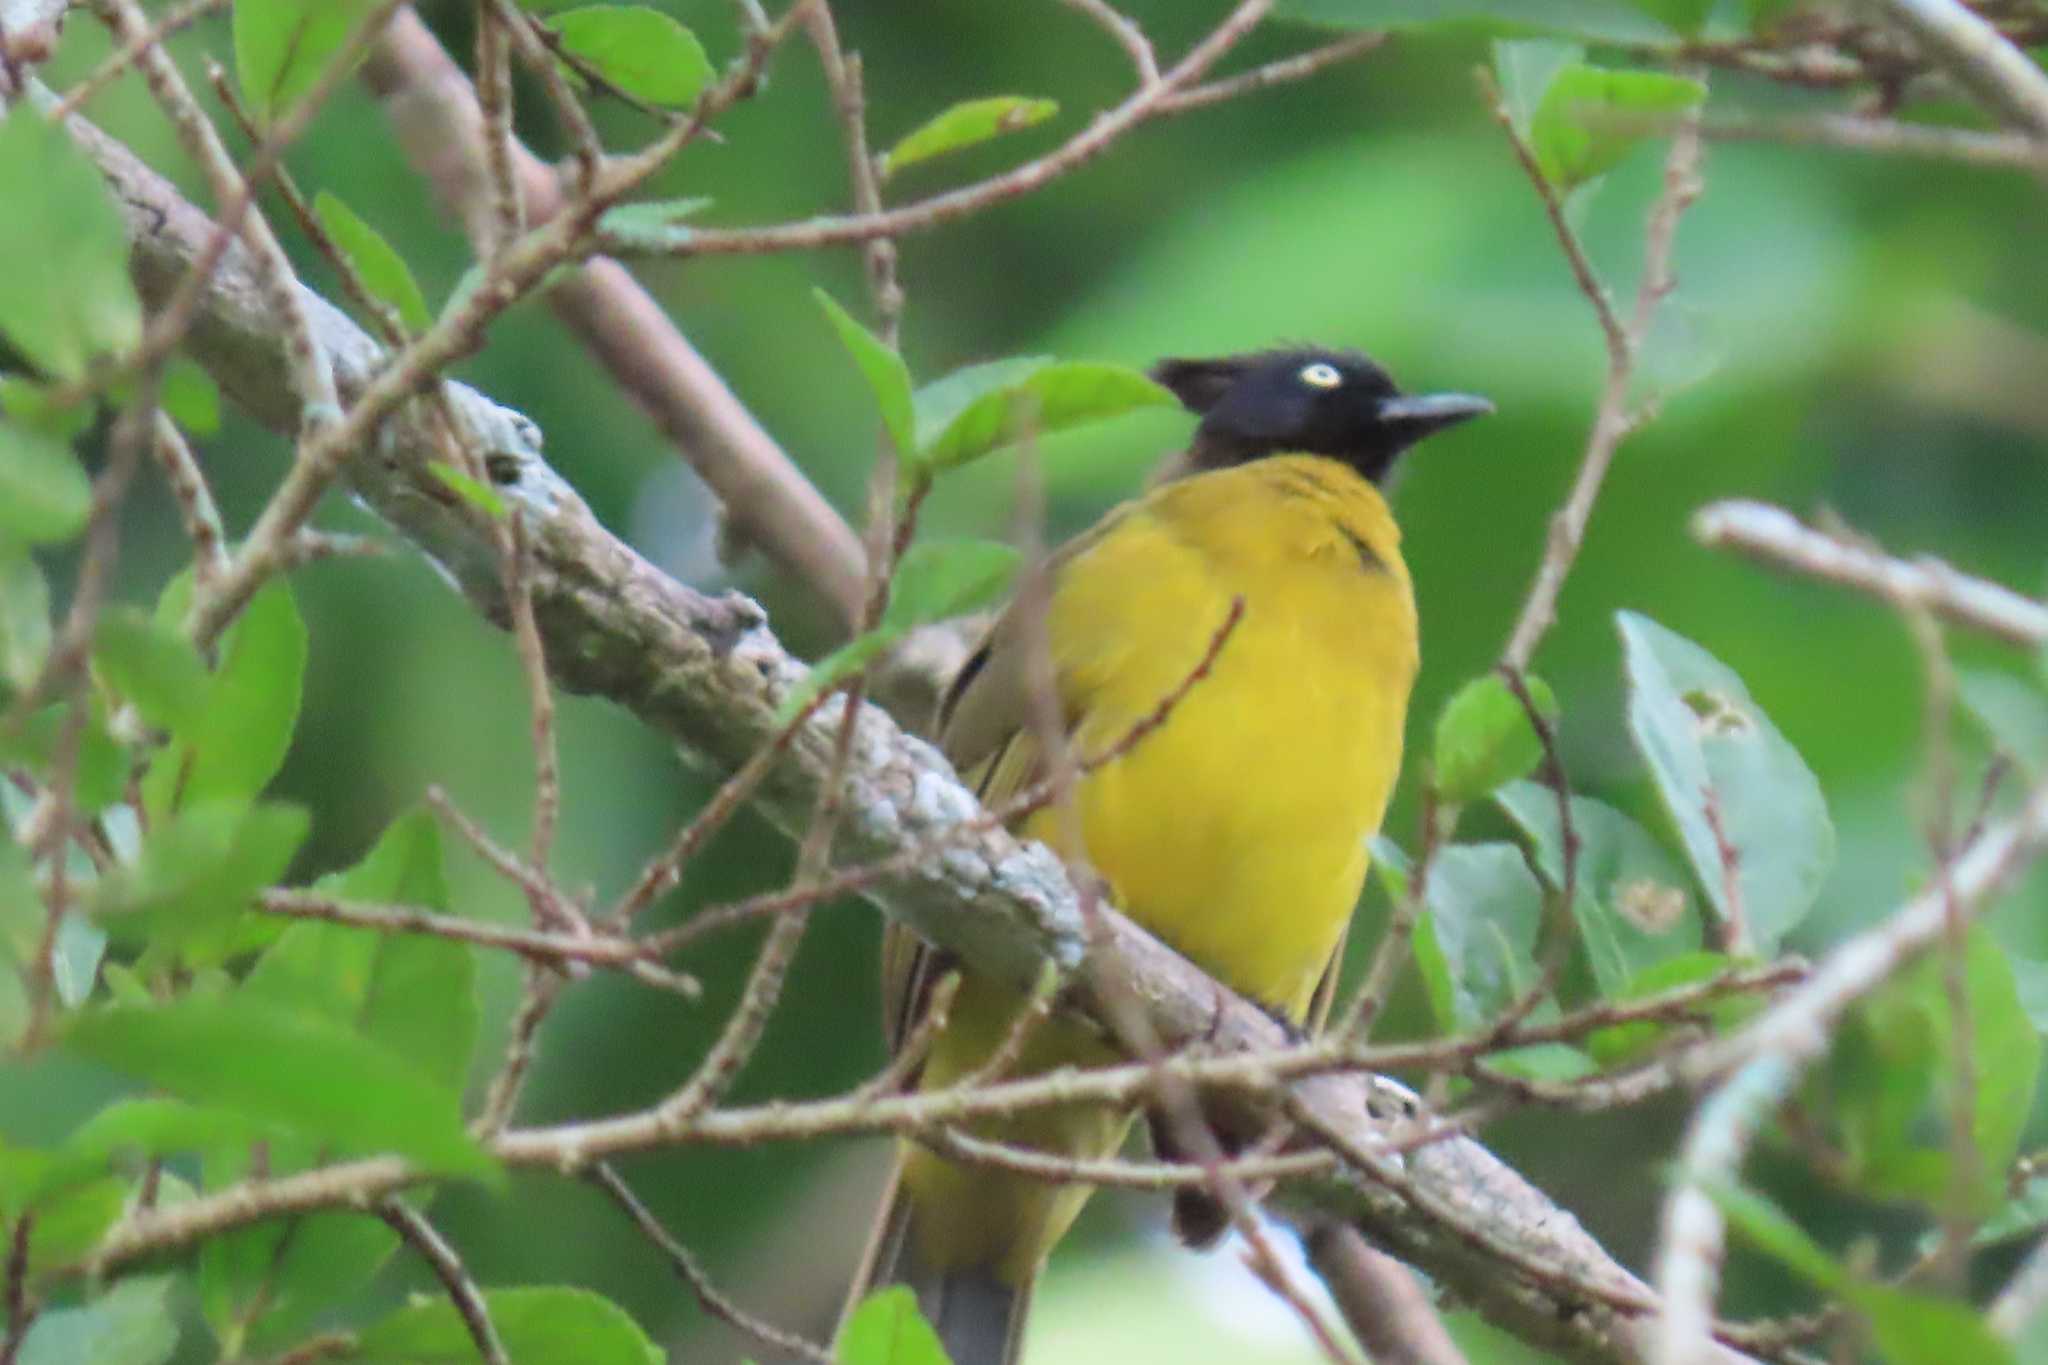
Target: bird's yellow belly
x: 1237, y: 830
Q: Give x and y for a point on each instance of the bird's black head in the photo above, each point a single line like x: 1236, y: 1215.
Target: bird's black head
x: 1318, y: 402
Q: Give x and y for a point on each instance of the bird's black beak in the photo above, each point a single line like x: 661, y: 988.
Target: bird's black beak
x: 1420, y: 415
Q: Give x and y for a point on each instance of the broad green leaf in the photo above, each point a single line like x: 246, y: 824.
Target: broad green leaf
x: 152, y: 666
x: 140, y: 1130
x: 196, y: 874
x: 1050, y: 398
x: 1771, y: 1230
x: 1524, y: 70
x: 1587, y: 20
x: 887, y: 1329
x: 130, y: 1324
x: 67, y: 298
x: 1476, y: 941
x: 656, y: 225
x: 413, y: 993
x: 888, y: 378
x: 539, y: 1325
x: 189, y: 396
x: 44, y: 493
x: 1715, y: 756
x: 938, y: 579
x: 30, y: 404
x: 1630, y: 902
x: 240, y: 741
x: 1484, y: 739
x: 1918, y: 1329
x: 639, y: 50
x: 70, y: 1222
x: 287, y: 1068
x: 965, y: 124
x: 102, y: 766
x: 283, y: 46
x: 476, y: 493
x: 382, y: 270
x: 24, y: 617
x: 2012, y: 713
x: 1591, y: 116
x: 939, y: 403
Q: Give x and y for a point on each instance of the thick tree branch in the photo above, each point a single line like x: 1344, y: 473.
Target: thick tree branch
x: 705, y: 673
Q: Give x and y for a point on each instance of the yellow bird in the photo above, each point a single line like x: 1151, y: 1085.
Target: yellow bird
x: 1237, y: 830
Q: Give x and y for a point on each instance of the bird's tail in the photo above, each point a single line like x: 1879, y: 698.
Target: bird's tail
x: 979, y: 1316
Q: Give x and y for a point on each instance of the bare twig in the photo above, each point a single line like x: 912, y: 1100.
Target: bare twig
x: 172, y: 20
x: 21, y: 1312
x: 1971, y: 49
x: 447, y: 1266
x: 849, y: 102
x: 1283, y: 71
x: 1774, y: 536
x: 1126, y: 34
x: 713, y: 1300
x: 1887, y: 137
x: 494, y: 97
x: 196, y: 508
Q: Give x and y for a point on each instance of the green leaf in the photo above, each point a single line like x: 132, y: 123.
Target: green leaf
x: 1524, y: 70
x: 190, y: 397
x: 835, y: 668
x: 656, y: 225
x: 30, y: 404
x: 44, y: 493
x: 24, y: 617
x: 382, y: 270
x: 639, y: 50
x: 1630, y: 900
x: 938, y: 404
x: 965, y: 124
x: 130, y: 1324
x: 1684, y: 17
x: 237, y: 745
x: 888, y: 378
x: 1621, y: 1042
x: 151, y: 665
x: 1714, y: 755
x: 1051, y: 397
x: 1919, y: 1329
x: 1476, y: 942
x: 887, y: 1329
x: 477, y: 494
x: 71, y: 1222
x: 287, y: 1068
x: 195, y: 875
x: 76, y: 302
x: 2012, y: 713
x: 413, y: 993
x: 1591, y: 116
x: 283, y: 46
x: 938, y: 579
x: 1771, y: 1230
x: 1589, y: 20
x: 541, y: 1324
x: 102, y: 768
x: 139, y: 1131
x: 1484, y: 739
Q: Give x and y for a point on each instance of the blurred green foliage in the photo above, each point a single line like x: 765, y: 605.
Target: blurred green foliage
x: 1864, y: 335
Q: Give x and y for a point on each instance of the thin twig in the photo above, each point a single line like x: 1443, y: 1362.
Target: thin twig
x: 849, y: 103
x: 1125, y: 33
x: 1888, y: 137
x: 1284, y: 71
x: 447, y: 1266
x: 172, y: 20
x: 687, y: 1268
x: 196, y: 508
x: 494, y: 96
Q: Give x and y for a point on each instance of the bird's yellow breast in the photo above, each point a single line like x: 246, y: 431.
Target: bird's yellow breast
x: 1237, y: 830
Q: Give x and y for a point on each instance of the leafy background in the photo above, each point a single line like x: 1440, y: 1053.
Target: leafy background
x: 1864, y: 335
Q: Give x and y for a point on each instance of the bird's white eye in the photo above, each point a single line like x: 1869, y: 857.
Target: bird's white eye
x: 1321, y: 375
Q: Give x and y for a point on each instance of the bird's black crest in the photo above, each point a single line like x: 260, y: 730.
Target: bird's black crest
x: 1308, y: 400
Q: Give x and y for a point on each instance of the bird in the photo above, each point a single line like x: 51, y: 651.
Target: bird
x: 1236, y: 830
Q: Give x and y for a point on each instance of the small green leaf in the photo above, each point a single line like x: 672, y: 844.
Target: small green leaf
x: 1524, y: 69
x: 151, y: 665
x: 1051, y: 397
x: 382, y: 270
x: 1630, y: 899
x: 190, y: 397
x: 240, y: 741
x: 2012, y: 713
x: 1476, y: 942
x: 102, y: 768
x: 476, y: 493
x: 1621, y: 1042
x: 1918, y: 1329
x: 1771, y: 1230
x: 130, y: 1324
x: 68, y: 297
x: 282, y: 47
x: 887, y: 1329
x: 71, y: 1222
x: 938, y: 404
x: 964, y: 125
x: 639, y: 50
x: 1716, y: 758
x: 945, y: 578
x: 888, y: 378
x: 196, y: 873
x: 835, y: 668
x: 138, y: 1131
x: 24, y: 616
x: 1484, y: 739
x: 31, y: 404
x: 287, y: 1068
x: 540, y: 1324
x: 44, y: 493
x: 1591, y: 116
x: 656, y: 225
